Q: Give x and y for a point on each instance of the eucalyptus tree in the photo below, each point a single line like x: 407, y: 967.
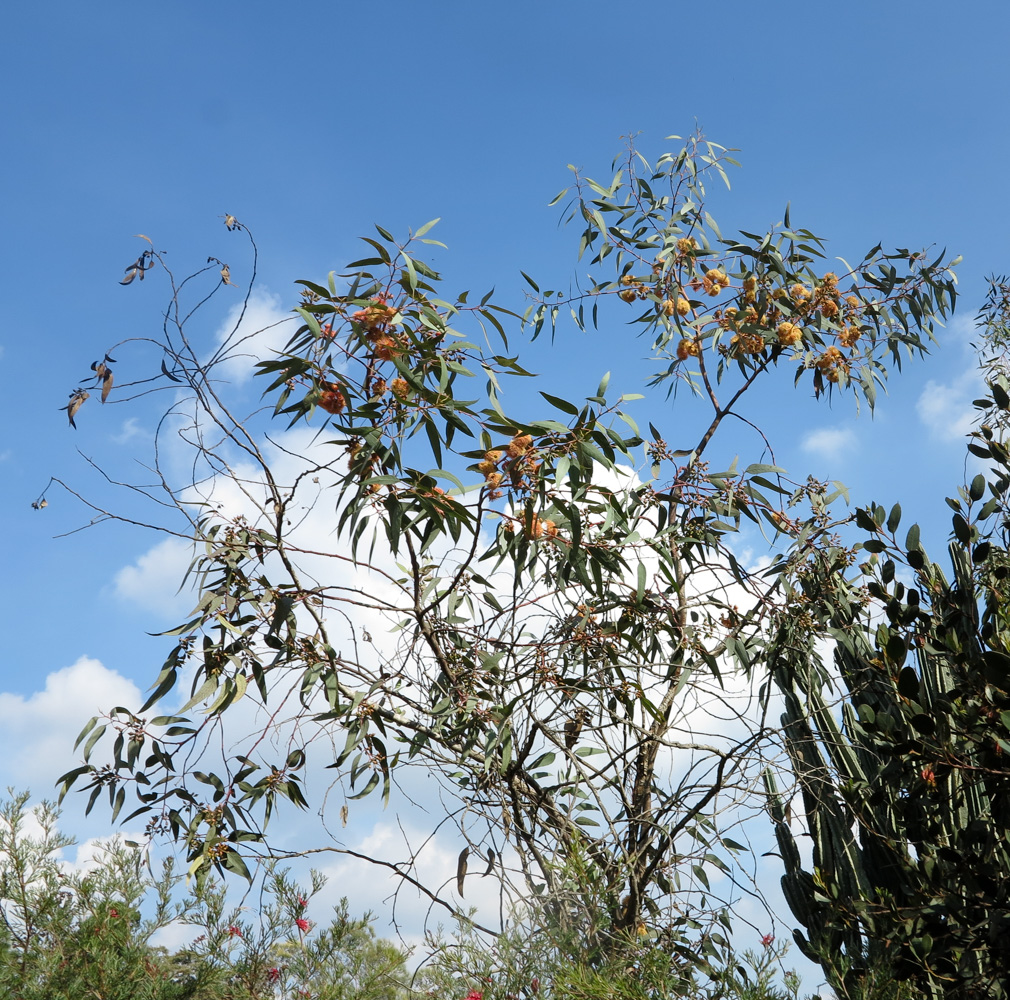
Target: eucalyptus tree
x: 400, y: 570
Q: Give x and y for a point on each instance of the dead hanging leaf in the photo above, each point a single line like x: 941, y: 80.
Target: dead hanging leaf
x: 168, y: 374
x: 231, y: 222
x: 40, y: 502
x: 77, y: 398
x: 225, y: 271
x: 573, y: 728
x: 104, y: 374
x: 76, y: 402
x: 461, y: 869
x: 136, y: 270
x: 343, y: 815
x: 141, y: 236
x: 490, y: 862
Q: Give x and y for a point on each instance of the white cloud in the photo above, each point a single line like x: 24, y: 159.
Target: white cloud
x: 255, y: 334
x: 37, y: 732
x: 93, y: 853
x: 152, y: 582
x: 131, y: 429
x: 946, y: 408
x: 829, y: 442
x: 175, y: 936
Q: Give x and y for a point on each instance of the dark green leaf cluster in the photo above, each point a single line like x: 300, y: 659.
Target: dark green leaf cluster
x: 907, y: 794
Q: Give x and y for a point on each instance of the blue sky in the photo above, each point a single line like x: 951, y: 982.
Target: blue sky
x: 877, y: 122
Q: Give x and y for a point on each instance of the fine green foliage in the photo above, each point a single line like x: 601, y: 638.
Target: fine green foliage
x: 520, y: 966
x: 907, y: 793
x: 69, y: 934
x: 409, y: 574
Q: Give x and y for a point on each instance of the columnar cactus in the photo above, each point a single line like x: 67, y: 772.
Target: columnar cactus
x: 902, y: 752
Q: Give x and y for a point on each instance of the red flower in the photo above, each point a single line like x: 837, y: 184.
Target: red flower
x: 113, y: 912
x: 234, y: 931
x: 302, y: 924
x: 474, y: 995
x: 274, y: 974
x: 302, y: 902
x: 767, y: 940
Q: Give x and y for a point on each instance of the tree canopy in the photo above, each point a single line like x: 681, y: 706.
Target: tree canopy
x: 406, y: 563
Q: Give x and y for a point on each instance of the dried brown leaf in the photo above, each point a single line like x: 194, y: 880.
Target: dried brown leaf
x: 76, y: 402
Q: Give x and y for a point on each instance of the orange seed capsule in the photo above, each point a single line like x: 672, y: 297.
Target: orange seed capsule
x: 789, y: 334
x: 333, y: 401
x: 519, y: 445
x: 688, y: 349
